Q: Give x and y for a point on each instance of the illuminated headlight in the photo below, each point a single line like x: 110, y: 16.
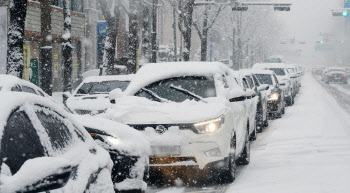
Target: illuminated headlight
x: 210, y: 126
x: 274, y: 97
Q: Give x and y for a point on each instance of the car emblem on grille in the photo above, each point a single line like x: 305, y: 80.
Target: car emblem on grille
x: 160, y: 129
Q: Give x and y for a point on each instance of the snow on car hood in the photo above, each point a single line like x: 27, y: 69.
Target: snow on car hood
x: 138, y: 110
x: 130, y: 141
x: 89, y: 102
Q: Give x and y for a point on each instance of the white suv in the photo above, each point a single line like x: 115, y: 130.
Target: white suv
x: 192, y: 113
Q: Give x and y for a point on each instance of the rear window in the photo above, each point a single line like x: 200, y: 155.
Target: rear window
x: 265, y: 79
x: 102, y: 87
x: 278, y: 71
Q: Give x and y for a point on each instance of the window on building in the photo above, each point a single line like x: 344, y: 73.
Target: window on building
x: 76, y: 5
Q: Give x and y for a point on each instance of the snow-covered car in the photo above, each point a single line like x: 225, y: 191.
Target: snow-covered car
x: 295, y: 77
x: 91, y: 96
x: 192, y: 113
x: 247, y: 82
x: 283, y: 77
x: 128, y: 148
x: 44, y: 148
x: 14, y: 84
x: 262, y: 94
x: 275, y: 101
x: 122, y: 136
x: 335, y: 75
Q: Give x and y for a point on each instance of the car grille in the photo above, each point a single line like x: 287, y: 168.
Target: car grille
x: 122, y: 166
x: 161, y: 128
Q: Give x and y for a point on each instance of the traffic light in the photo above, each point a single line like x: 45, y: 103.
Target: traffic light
x: 345, y: 13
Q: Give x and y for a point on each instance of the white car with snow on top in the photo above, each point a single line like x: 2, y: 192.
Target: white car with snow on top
x: 91, y: 96
x: 192, y: 113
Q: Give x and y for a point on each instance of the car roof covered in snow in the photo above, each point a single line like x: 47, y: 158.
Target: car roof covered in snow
x: 154, y: 72
x: 11, y: 100
x: 8, y: 81
x: 109, y: 78
x: 269, y: 65
x: 262, y: 72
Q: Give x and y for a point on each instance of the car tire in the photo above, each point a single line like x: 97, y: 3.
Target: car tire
x: 244, y: 159
x: 266, y: 123
x: 283, y: 110
x: 229, y: 174
x: 254, y: 134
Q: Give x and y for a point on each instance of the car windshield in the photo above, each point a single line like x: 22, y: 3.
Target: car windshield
x: 264, y: 79
x: 278, y: 71
x: 192, y: 87
x: 102, y: 87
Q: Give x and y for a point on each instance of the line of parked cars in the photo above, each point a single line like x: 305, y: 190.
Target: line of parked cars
x: 115, y: 130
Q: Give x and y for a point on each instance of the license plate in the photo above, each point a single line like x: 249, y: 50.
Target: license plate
x: 165, y: 150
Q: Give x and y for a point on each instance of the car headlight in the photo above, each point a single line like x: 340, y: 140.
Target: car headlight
x: 210, y: 126
x: 274, y: 97
x: 110, y: 140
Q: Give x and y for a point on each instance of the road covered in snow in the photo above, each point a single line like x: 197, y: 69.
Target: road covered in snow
x: 307, y: 151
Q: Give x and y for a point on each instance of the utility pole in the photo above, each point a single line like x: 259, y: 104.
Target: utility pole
x: 46, y: 47
x: 154, y: 31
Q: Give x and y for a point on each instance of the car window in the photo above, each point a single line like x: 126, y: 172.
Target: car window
x: 278, y: 71
x: 250, y: 81
x: 40, y: 93
x: 245, y: 84
x: 265, y: 79
x: 57, y: 130
x: 20, y: 141
x: 16, y: 88
x: 276, y: 80
x: 28, y: 90
x: 256, y: 81
x: 102, y: 87
x: 198, y: 85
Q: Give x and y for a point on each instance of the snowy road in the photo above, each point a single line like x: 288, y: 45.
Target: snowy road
x: 307, y: 151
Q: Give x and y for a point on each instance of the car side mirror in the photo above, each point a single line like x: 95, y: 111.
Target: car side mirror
x: 263, y: 87
x: 65, y: 96
x: 237, y: 95
x: 38, y: 175
x: 114, y: 94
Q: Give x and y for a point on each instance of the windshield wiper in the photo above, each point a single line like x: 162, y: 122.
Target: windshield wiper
x: 154, y: 95
x: 188, y: 93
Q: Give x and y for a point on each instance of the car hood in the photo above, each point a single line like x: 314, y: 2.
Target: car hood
x: 138, y: 111
x: 89, y: 102
x: 130, y: 141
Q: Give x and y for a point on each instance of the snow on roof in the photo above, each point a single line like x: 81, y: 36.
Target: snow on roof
x: 262, y: 71
x: 8, y: 81
x: 269, y: 65
x: 109, y: 78
x: 153, y: 72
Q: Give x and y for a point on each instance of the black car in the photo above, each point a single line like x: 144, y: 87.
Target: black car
x: 335, y: 76
x: 43, y: 148
x: 276, y: 99
x: 128, y: 149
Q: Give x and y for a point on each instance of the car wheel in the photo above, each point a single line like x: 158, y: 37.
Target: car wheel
x: 229, y: 174
x: 254, y: 134
x: 266, y: 123
x: 283, y: 110
x: 244, y: 159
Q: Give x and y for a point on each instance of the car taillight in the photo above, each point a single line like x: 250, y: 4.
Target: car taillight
x: 330, y: 74
x: 344, y: 75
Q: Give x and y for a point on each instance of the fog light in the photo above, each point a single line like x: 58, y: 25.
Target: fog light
x: 213, y: 153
